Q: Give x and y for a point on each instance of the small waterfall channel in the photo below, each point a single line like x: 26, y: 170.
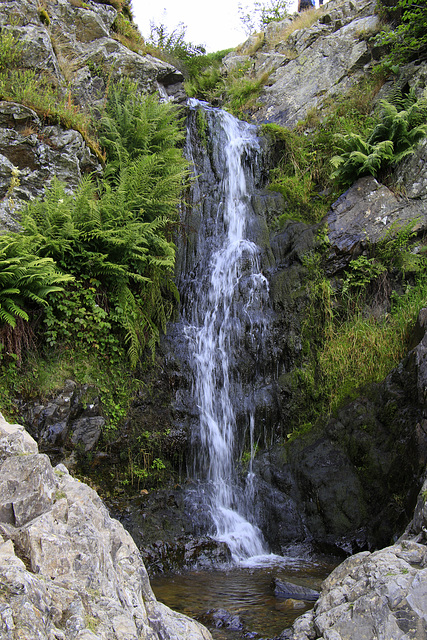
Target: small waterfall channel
x: 223, y: 341
x: 223, y: 312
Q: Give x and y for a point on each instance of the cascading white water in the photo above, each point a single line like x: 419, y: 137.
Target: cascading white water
x: 225, y: 308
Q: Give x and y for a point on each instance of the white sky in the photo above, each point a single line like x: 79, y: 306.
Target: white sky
x: 214, y: 23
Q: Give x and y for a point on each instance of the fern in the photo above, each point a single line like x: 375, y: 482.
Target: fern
x: 135, y: 125
x: 403, y: 123
x: 26, y: 283
x: 117, y: 229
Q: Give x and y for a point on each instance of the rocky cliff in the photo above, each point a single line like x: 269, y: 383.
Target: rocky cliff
x: 313, y: 64
x: 374, y: 595
x: 67, y: 570
x: 75, y: 46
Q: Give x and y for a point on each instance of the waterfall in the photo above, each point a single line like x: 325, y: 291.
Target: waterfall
x: 222, y: 310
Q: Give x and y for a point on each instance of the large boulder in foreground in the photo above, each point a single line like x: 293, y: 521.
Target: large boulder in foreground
x: 67, y: 570
x: 379, y: 595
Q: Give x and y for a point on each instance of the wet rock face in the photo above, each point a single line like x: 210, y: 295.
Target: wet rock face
x: 68, y: 570
x: 71, y: 420
x: 354, y: 486
x: 253, y: 362
x: 185, y: 553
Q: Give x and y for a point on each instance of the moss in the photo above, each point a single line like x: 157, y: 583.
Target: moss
x: 201, y: 124
x: 44, y: 16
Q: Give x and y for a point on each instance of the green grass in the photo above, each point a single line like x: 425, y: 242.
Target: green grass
x: 362, y: 349
x: 28, y: 88
x: 302, y: 171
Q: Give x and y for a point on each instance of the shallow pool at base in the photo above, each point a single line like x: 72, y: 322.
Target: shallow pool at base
x: 246, y: 592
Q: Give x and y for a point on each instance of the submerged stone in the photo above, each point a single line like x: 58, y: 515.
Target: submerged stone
x: 285, y: 590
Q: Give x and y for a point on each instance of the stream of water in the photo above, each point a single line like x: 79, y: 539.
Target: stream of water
x: 216, y: 318
x: 225, y: 302
x: 239, y: 602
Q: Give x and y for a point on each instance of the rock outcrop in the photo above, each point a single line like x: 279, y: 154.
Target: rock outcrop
x: 380, y: 595
x: 374, y: 595
x: 34, y: 152
x: 76, y: 48
x: 73, y: 417
x: 368, y: 210
x: 353, y: 485
x: 313, y: 64
x: 67, y: 570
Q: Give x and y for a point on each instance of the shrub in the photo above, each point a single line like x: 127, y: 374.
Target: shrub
x: 174, y: 42
x: 127, y: 33
x: 407, y: 39
x: 10, y: 50
x: 262, y: 13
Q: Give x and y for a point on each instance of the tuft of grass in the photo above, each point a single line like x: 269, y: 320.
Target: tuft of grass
x: 242, y: 92
x: 303, y: 20
x: 126, y: 32
x: 259, y: 39
x: 29, y: 88
x: 365, y: 349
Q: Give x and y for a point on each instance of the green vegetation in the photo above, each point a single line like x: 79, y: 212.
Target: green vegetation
x: 127, y: 33
x: 204, y: 79
x: 402, y: 124
x: 201, y: 70
x: 346, y: 345
x: 44, y: 16
x: 405, y: 33
x: 242, y: 92
x: 24, y: 279
x: 306, y: 155
x: 109, y: 246
x: 36, y: 91
x: 174, y: 42
x: 302, y: 171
